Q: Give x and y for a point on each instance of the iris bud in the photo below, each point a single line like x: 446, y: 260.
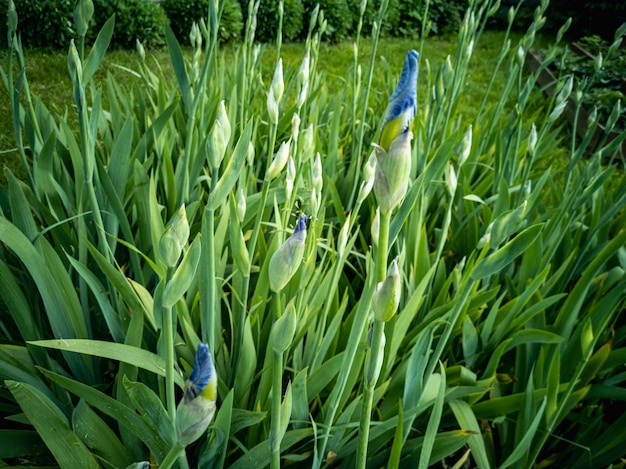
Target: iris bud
x: 288, y: 257
x: 387, y: 296
x: 174, y: 238
x: 197, y: 407
x: 284, y: 329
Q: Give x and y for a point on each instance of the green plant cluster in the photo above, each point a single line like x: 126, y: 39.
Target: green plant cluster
x: 217, y: 211
x: 183, y: 13
x: 45, y: 23
x: 48, y: 23
x: 601, y: 77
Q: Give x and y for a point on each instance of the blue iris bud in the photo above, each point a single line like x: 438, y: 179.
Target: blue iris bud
x: 393, y: 153
x: 197, y: 407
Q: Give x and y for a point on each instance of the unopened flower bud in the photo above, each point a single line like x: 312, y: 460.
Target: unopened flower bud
x: 375, y: 228
x: 272, y: 107
x: 387, y: 296
x: 290, y: 178
x: 287, y: 258
x: 392, y: 172
x: 317, y: 180
x: 197, y: 407
x: 467, y: 146
x: 241, y: 205
x: 284, y: 329
x: 278, y: 85
x: 295, y: 127
x: 219, y: 137
x: 174, y: 238
x: 279, y: 161
x: 532, y: 140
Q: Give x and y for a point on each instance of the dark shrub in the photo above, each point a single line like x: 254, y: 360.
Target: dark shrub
x: 337, y: 12
x: 42, y: 23
x: 183, y: 13
x: 267, y: 20
x: 141, y: 20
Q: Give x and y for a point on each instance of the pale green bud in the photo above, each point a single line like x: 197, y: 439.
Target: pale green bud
x: 219, y: 137
x: 272, y: 107
x: 279, y: 161
x: 284, y: 329
x: 369, y: 172
x: 375, y: 228
x: 295, y: 127
x: 12, y: 19
x: 241, y: 205
x: 467, y: 146
x: 372, y: 370
x: 307, y: 142
x: 392, y: 172
x: 315, y: 201
x: 290, y: 178
x: 303, y: 72
x: 74, y: 64
x: 451, y: 180
x: 140, y: 50
x: 82, y: 15
x: 317, y: 179
x: 287, y: 258
x: 174, y: 238
x: 278, y: 85
x: 532, y: 140
x: 387, y: 296
x: 342, y: 239
x: 193, y: 418
x: 597, y: 63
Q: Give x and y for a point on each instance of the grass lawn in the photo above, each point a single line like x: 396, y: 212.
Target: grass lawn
x: 48, y: 77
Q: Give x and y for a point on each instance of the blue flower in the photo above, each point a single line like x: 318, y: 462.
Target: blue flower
x: 402, y: 103
x: 201, y: 375
x: 393, y: 153
x: 197, y: 407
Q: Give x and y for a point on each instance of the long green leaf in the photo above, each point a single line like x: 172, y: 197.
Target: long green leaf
x: 121, y: 352
x: 53, y: 427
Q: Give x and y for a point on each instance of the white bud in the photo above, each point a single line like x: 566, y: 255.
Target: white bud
x: 532, y: 140
x: 295, y: 127
x: 279, y: 161
x: 278, y: 85
x: 290, y: 178
x: 467, y: 146
x: 272, y: 107
x: 317, y: 178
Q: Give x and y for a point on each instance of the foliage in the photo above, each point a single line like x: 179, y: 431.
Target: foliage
x: 152, y: 226
x: 589, y: 17
x: 136, y: 20
x: 183, y: 13
x: 43, y: 23
x: 336, y: 13
x: 268, y: 20
x: 601, y: 77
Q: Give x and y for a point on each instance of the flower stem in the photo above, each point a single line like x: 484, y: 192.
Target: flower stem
x: 277, y: 385
x: 372, y: 368
x: 172, y: 456
x: 168, y: 330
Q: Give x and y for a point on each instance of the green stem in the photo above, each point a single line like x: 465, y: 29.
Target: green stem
x: 175, y: 452
x: 372, y: 370
x: 168, y: 330
x: 277, y: 386
x: 207, y: 301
